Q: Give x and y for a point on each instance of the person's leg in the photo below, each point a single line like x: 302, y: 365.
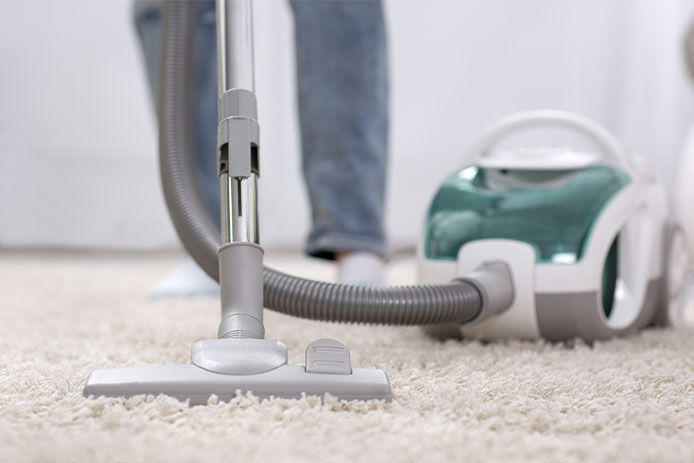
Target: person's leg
x: 148, y: 22
x: 189, y: 280
x: 343, y: 110
x: 206, y: 115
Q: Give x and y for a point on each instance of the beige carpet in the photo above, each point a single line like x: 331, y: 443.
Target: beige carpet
x: 628, y: 400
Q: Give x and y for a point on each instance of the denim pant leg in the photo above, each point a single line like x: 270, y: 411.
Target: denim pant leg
x: 148, y: 22
x: 343, y: 102
x: 343, y: 110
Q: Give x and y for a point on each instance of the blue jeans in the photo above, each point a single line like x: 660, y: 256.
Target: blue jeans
x: 342, y: 80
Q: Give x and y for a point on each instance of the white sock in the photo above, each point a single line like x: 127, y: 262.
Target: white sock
x: 361, y: 268
x: 188, y: 280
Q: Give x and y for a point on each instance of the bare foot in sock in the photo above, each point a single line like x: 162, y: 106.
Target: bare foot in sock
x: 189, y: 280
x: 361, y: 268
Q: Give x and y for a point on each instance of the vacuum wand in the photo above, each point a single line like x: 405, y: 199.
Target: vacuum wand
x: 240, y: 256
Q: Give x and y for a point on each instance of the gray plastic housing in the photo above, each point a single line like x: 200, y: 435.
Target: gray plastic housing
x: 260, y: 367
x: 241, y: 291
x: 238, y: 131
x: 239, y: 356
x: 494, y: 282
x: 189, y: 382
x: 328, y: 356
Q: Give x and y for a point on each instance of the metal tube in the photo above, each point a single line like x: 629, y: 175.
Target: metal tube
x: 238, y: 194
x: 235, y: 45
x: 240, y: 257
x: 239, y: 209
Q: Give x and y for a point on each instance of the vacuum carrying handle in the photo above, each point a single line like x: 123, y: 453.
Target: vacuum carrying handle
x: 610, y: 147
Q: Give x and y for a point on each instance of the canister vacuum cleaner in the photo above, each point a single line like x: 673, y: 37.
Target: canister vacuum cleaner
x: 527, y: 243
x: 585, y: 234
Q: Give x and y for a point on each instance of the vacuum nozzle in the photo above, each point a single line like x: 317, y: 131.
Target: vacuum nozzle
x: 227, y: 367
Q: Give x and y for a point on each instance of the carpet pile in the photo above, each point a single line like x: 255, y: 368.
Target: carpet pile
x: 61, y: 316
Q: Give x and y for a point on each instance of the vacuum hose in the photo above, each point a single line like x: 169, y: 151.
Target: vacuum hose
x: 459, y: 301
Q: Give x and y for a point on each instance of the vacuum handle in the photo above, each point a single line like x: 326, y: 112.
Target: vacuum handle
x: 608, y: 144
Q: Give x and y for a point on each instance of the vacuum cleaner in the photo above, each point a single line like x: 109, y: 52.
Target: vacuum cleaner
x: 586, y: 235
x: 524, y: 243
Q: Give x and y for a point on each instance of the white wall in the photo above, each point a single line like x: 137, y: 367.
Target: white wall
x: 77, y: 146
x: 77, y: 136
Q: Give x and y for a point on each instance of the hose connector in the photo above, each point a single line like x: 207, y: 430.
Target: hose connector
x: 494, y: 282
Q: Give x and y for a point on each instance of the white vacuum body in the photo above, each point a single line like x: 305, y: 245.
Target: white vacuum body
x: 586, y: 235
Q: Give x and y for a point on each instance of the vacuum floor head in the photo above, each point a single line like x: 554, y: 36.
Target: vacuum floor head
x: 227, y: 367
